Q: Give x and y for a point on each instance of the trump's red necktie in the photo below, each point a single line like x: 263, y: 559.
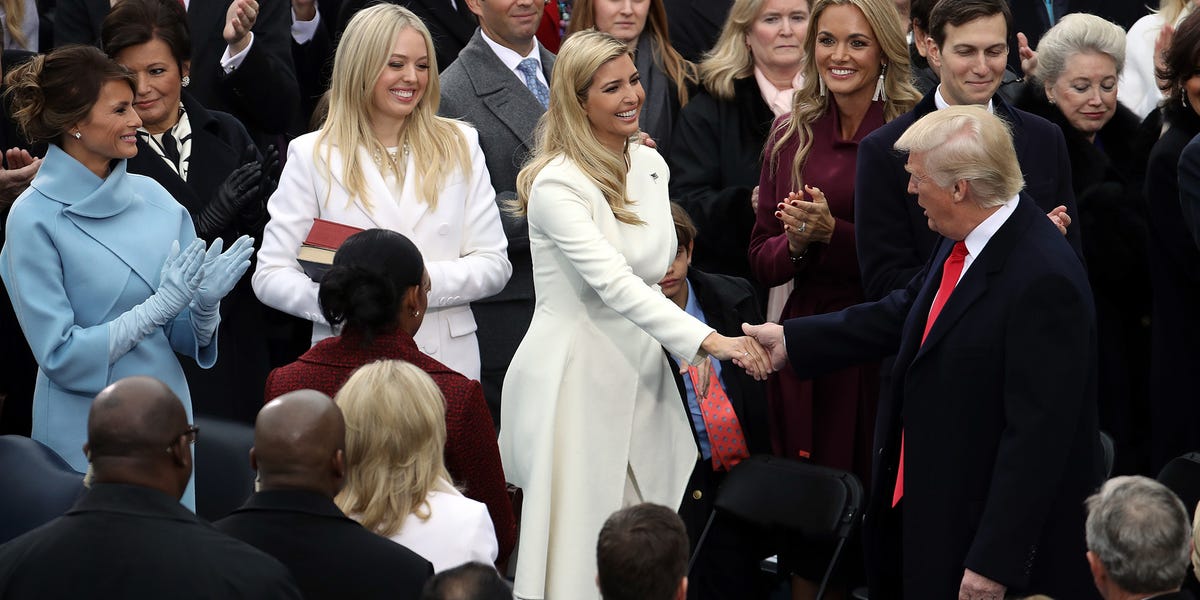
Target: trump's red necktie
x: 951, y: 270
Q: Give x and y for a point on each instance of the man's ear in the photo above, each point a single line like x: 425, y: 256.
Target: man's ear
x: 681, y: 593
x: 253, y: 460
x: 87, y: 452
x: 1099, y: 575
x: 473, y: 6
x: 933, y: 54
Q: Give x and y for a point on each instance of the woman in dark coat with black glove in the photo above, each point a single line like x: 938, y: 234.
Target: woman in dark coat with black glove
x: 207, y: 161
x: 1079, y: 64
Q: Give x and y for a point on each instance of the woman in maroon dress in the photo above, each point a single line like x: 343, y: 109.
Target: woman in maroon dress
x: 377, y: 290
x: 856, y: 77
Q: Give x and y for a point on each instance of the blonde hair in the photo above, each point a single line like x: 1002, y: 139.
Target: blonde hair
x: 731, y: 59
x: 395, y: 436
x: 14, y: 17
x: 1171, y: 10
x: 677, y: 68
x: 436, y: 144
x: 565, y: 130
x: 808, y: 103
x: 967, y: 143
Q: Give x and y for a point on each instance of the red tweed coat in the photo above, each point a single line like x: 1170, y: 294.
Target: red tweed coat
x: 472, y: 457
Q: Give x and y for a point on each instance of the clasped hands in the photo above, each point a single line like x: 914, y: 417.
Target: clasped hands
x: 200, y: 275
x: 805, y: 222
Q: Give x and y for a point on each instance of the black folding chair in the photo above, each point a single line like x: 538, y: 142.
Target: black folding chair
x: 224, y: 478
x: 38, y: 485
x: 791, y: 500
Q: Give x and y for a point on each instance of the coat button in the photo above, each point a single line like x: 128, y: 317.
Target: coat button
x: 697, y: 494
x: 444, y: 229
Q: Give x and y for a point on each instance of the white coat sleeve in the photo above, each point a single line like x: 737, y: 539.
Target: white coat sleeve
x: 560, y: 211
x: 279, y: 281
x: 482, y: 267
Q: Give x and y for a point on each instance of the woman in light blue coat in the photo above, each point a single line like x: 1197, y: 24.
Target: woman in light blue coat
x: 104, y: 269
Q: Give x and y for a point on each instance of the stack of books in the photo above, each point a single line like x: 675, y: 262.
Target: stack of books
x: 325, y: 237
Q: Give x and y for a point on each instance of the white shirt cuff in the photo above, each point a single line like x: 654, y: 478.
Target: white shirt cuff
x: 231, y: 63
x: 303, y: 31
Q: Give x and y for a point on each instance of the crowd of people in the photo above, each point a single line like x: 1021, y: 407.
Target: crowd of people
x: 600, y: 252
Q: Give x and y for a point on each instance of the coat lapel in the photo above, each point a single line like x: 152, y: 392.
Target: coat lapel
x: 90, y: 201
x: 387, y: 212
x: 502, y: 93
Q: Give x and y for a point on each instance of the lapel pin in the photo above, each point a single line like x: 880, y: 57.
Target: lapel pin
x: 654, y: 176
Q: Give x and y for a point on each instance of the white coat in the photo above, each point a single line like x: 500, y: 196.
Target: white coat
x: 589, y: 396
x: 462, y: 241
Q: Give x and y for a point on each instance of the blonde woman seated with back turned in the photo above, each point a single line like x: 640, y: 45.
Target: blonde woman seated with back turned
x: 407, y: 170
x: 396, y: 483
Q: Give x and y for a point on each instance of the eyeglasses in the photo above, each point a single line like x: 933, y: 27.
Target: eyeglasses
x: 192, y: 433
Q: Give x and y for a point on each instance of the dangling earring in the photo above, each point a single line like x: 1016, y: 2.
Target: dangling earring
x: 880, y: 94
x: 185, y: 81
x: 821, y: 83
x: 77, y: 135
x: 1183, y: 96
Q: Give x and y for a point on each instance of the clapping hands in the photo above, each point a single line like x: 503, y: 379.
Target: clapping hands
x: 222, y: 270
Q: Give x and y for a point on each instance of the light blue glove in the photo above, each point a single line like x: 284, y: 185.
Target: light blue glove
x: 222, y: 270
x: 177, y: 285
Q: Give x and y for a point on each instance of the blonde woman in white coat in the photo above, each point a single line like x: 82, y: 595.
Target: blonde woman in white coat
x: 591, y: 419
x: 411, y: 171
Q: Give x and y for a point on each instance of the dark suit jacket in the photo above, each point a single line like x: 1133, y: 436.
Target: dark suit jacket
x: 450, y: 29
x: 1175, y: 294
x: 893, y: 235
x: 997, y: 408
x: 314, y: 62
x: 329, y: 554
x: 262, y: 92
x: 472, y: 456
x: 716, y: 160
x: 695, y: 25
x: 479, y: 89
x: 127, y: 541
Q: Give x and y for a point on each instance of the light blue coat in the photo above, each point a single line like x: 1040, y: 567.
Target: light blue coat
x: 79, y: 252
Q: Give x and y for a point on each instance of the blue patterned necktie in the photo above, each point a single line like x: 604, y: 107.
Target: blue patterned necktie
x: 529, y: 69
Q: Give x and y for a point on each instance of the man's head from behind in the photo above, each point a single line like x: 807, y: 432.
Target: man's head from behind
x: 970, y: 48
x: 962, y: 166
x: 138, y: 434
x: 1137, y: 537
x: 300, y: 443
x: 642, y: 554
x: 472, y: 581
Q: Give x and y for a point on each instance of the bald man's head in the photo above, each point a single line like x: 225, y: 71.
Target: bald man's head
x: 135, y: 435
x: 299, y: 443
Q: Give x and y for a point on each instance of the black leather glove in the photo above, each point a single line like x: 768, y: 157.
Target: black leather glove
x: 240, y: 188
x: 252, y: 215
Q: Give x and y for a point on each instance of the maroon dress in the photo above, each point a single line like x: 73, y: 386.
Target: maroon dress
x: 829, y: 420
x: 472, y: 455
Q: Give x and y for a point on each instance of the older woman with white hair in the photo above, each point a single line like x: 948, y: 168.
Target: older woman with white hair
x: 1078, y: 74
x: 384, y: 159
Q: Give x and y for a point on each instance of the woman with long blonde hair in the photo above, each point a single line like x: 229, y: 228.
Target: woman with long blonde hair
x: 856, y: 78
x: 21, y: 22
x: 396, y: 482
x: 591, y: 419
x: 385, y: 159
x: 667, y: 77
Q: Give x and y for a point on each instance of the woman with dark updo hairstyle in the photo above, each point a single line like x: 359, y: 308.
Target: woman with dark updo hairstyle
x: 104, y: 269
x: 376, y: 291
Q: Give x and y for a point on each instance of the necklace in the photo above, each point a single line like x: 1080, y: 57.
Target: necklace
x: 394, y: 156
